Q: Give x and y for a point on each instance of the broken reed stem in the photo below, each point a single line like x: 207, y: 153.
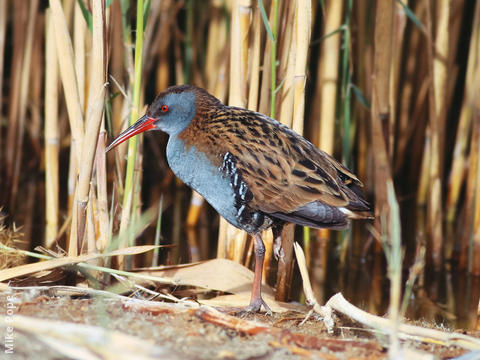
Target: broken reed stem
x: 104, y: 233
x: 51, y: 135
x: 132, y: 143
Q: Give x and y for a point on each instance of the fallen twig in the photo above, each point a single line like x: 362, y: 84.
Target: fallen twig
x: 340, y: 304
x: 324, y: 311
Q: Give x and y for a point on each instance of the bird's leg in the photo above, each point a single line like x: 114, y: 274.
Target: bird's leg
x: 256, y: 300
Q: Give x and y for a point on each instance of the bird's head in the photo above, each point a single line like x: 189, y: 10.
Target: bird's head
x: 171, y: 111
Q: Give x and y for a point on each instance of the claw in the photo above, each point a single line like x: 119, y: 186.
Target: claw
x: 256, y: 305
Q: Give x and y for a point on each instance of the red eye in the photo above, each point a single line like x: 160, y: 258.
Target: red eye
x: 164, y: 108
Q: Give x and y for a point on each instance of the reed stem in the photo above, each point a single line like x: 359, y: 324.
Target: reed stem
x: 132, y: 142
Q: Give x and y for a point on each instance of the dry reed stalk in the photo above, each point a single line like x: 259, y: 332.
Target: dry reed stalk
x: 19, y: 36
x: 475, y: 257
x: 254, y: 65
x: 328, y: 76
x: 163, y: 63
x: 470, y: 195
x: 424, y: 183
x: 293, y: 104
x: 457, y: 172
x: 286, y: 68
x: 240, y: 21
x: 119, y: 56
x: 362, y: 51
x: 380, y: 103
x: 79, y: 32
x: 68, y: 76
x: 323, y: 108
x: 265, y: 91
x: 117, y: 70
x: 131, y: 180
x: 94, y: 114
x: 220, y: 91
x: 34, y: 127
x: 405, y: 124
x: 214, y: 47
x: 3, y: 30
x: 478, y: 317
x: 74, y: 109
x: 213, y: 57
x: 68, y: 6
x: 286, y: 45
x: 440, y: 76
x: 400, y: 20
x: 384, y: 25
x: 434, y: 203
x: 253, y: 94
x: 152, y: 34
x: 23, y: 102
x: 303, y: 30
x: 241, y: 11
x: 51, y: 135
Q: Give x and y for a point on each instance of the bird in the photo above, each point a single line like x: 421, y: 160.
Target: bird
x: 256, y: 172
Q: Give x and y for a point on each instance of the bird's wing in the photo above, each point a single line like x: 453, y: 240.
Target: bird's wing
x: 283, y: 171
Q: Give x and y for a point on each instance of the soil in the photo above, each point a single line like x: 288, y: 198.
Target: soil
x: 178, y: 333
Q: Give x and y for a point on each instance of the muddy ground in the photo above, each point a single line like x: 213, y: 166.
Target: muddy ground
x: 178, y: 332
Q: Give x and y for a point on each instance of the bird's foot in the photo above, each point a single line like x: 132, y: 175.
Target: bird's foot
x: 256, y: 304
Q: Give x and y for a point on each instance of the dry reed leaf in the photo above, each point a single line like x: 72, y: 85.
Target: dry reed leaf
x: 51, y: 264
x: 217, y: 274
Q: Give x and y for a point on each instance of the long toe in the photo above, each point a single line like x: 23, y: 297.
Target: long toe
x: 256, y: 305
